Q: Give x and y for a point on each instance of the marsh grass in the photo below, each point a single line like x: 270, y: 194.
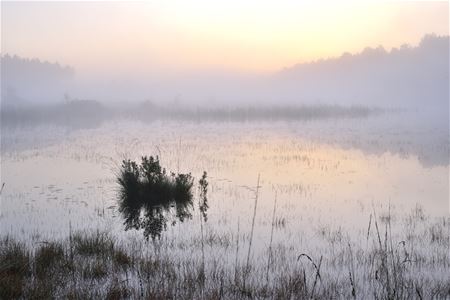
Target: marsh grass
x: 90, y: 113
x: 47, y: 258
x: 96, y: 265
x: 14, y: 268
x: 95, y: 270
x: 122, y: 259
x: 116, y: 291
x: 100, y: 267
x: 93, y: 244
x: 249, y: 113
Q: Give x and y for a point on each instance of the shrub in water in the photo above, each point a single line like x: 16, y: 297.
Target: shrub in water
x: 147, y: 188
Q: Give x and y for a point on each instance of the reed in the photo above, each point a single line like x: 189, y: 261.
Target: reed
x: 103, y: 268
x: 271, y: 237
x: 247, y: 265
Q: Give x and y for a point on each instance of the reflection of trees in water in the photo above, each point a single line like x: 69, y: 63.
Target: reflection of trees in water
x: 406, y: 134
x: 153, y: 218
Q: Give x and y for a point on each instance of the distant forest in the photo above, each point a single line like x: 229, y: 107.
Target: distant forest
x: 23, y: 78
x: 408, y: 76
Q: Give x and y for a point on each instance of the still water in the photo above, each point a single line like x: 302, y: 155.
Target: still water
x: 326, y: 175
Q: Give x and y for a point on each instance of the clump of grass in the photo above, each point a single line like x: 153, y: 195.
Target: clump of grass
x: 46, y: 257
x: 122, y: 259
x: 117, y: 291
x: 93, y: 244
x: 76, y: 293
x: 292, y: 286
x: 14, y: 268
x: 43, y: 290
x: 96, y: 270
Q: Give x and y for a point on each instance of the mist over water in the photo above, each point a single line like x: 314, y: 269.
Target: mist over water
x: 410, y: 76
x: 321, y: 179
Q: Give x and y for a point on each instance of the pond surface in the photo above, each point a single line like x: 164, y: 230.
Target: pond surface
x: 327, y: 175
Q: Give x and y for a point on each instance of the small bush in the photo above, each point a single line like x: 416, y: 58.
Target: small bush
x: 147, y: 187
x: 149, y: 184
x: 129, y: 181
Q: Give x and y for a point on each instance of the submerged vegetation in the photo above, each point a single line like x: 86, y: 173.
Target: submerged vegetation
x: 148, y: 196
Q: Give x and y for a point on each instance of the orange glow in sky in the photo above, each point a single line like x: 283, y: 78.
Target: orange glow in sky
x: 248, y: 36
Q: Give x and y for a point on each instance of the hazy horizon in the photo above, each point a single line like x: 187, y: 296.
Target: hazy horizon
x: 226, y: 54
x: 230, y: 53
x: 372, y: 76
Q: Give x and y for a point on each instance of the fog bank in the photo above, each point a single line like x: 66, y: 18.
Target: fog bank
x: 409, y: 76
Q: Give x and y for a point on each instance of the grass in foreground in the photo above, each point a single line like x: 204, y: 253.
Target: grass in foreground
x: 94, y: 265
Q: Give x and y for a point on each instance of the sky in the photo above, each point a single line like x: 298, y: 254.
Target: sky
x: 236, y: 36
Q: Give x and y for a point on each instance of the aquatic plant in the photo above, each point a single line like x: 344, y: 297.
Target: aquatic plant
x: 148, y: 183
x: 148, y: 195
x: 203, y: 201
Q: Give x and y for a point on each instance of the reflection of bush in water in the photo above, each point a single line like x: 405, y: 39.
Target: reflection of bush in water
x: 148, y: 196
